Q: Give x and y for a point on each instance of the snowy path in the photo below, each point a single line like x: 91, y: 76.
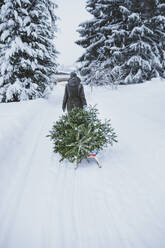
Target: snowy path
x: 44, y: 205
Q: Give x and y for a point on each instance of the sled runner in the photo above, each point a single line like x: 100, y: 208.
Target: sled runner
x: 95, y: 157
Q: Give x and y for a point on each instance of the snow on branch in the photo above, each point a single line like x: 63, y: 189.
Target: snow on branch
x: 18, y: 2
x: 134, y: 17
x: 161, y: 6
x: 124, y: 10
x: 140, y: 46
x: 137, y: 60
x: 4, y: 35
x: 142, y: 31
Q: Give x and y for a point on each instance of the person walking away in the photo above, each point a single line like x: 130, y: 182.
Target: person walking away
x: 74, y: 94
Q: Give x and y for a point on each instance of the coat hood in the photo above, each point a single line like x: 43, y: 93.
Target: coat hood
x: 74, y: 81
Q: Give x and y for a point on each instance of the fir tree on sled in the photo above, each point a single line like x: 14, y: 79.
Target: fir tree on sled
x: 78, y: 134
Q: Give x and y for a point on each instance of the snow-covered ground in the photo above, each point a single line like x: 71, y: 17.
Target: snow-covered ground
x: 122, y: 205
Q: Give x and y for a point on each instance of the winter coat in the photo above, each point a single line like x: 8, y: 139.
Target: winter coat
x: 74, y: 94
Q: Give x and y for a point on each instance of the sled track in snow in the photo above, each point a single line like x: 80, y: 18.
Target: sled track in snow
x: 19, y: 179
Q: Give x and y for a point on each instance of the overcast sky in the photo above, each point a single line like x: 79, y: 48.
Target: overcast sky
x: 72, y: 13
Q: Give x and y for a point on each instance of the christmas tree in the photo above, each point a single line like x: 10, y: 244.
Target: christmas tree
x: 78, y: 133
x: 28, y: 55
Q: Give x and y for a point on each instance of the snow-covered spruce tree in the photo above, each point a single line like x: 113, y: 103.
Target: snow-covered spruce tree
x: 138, y: 56
x: 79, y: 133
x: 91, y: 39
x: 27, y: 29
x: 141, y: 54
x: 103, y: 38
x: 102, y: 75
x: 1, y: 43
x: 115, y: 32
x: 158, y: 22
x: 129, y: 45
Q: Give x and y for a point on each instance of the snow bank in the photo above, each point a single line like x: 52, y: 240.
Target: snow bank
x: 15, y: 118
